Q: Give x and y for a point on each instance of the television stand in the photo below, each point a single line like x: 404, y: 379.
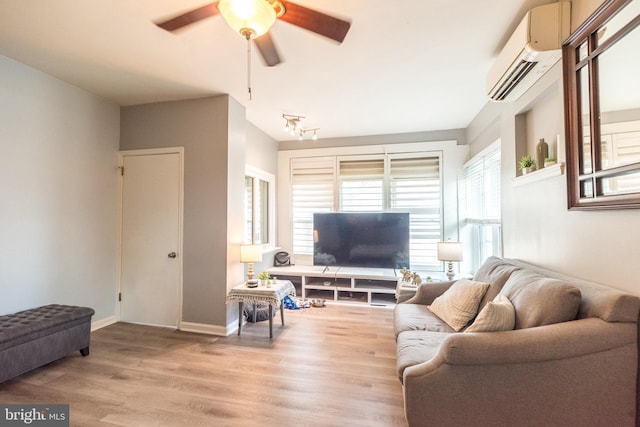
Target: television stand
x: 373, y: 286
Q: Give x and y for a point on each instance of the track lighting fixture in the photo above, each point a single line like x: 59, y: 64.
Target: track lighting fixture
x: 293, y: 125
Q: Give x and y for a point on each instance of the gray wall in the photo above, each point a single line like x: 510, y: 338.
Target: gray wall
x: 262, y: 150
x: 59, y: 181
x: 212, y: 132
x: 262, y: 153
x: 537, y: 227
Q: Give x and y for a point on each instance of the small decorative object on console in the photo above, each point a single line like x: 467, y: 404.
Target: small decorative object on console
x: 409, y: 278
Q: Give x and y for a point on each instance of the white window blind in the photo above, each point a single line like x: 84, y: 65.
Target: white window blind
x: 312, y: 190
x: 415, y: 187
x: 480, y: 207
x: 362, y: 185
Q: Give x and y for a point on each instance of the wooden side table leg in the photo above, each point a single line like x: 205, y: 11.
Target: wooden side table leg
x: 282, y: 312
x: 254, y: 312
x: 239, y: 317
x: 270, y: 320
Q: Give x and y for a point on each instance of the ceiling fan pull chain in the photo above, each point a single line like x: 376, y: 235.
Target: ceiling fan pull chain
x: 249, y: 67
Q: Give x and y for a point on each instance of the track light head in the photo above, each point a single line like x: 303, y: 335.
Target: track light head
x: 293, y: 125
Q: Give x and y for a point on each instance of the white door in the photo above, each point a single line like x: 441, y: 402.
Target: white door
x: 151, y: 267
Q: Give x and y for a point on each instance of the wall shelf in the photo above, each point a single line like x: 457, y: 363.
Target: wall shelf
x: 539, y: 175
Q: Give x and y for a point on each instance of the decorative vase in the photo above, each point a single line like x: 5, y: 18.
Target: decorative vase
x: 542, y: 152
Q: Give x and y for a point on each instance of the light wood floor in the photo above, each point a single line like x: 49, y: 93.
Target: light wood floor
x: 330, y: 366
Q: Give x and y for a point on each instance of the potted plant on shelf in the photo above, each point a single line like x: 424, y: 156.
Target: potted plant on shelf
x: 549, y: 161
x: 527, y: 164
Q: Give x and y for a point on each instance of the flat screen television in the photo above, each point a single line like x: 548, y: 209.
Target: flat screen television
x: 361, y: 239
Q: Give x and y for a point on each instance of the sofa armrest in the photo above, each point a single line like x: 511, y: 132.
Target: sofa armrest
x: 551, y: 342
x: 427, y: 292
x: 523, y: 374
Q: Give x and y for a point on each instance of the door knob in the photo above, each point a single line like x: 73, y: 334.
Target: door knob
x: 172, y: 255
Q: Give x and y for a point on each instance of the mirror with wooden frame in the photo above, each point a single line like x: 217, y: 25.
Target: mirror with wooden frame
x: 601, y: 64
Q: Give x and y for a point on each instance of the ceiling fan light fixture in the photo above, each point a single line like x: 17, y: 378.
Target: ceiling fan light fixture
x: 250, y: 18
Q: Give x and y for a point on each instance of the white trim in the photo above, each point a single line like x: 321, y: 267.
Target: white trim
x: 495, y: 145
x: 148, y: 152
x: 99, y: 324
x: 203, y: 328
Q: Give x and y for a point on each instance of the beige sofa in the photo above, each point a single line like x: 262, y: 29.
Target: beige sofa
x: 548, y: 371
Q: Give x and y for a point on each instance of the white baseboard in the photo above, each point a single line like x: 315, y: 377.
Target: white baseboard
x: 99, y: 324
x: 203, y: 328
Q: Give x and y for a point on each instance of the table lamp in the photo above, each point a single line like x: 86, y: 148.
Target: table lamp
x: 450, y: 252
x: 248, y: 255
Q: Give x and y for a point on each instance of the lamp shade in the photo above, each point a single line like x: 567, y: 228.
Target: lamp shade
x: 450, y: 251
x: 250, y: 253
x: 242, y: 15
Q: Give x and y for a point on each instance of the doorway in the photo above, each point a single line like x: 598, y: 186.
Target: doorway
x: 151, y: 205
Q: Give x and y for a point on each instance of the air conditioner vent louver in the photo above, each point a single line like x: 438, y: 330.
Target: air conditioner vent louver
x: 533, y: 48
x: 512, y: 80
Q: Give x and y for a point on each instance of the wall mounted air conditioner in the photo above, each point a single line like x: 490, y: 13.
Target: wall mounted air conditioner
x: 533, y: 48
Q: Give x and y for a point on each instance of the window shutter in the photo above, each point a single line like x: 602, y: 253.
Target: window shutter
x: 415, y: 188
x: 312, y: 190
x: 362, y: 185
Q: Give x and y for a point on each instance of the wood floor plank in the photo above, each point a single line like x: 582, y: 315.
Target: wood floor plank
x: 330, y: 366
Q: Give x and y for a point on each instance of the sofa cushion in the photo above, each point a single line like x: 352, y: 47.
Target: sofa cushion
x: 494, y: 271
x: 497, y: 315
x: 459, y: 304
x: 415, y: 347
x: 540, y: 300
x: 417, y: 317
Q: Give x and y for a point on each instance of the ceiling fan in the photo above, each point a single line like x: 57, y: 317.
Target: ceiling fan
x: 253, y: 18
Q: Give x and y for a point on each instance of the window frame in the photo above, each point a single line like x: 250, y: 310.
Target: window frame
x: 475, y: 226
x: 386, y: 159
x: 258, y: 176
x: 572, y: 66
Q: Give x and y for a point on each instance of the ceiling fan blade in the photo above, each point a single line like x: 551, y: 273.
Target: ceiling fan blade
x: 312, y: 20
x: 185, y: 19
x: 267, y: 49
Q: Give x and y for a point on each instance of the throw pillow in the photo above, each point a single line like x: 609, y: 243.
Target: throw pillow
x: 541, y: 300
x: 459, y: 304
x: 497, y: 315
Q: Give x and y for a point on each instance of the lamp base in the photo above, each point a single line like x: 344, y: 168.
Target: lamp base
x: 450, y: 272
x: 252, y: 283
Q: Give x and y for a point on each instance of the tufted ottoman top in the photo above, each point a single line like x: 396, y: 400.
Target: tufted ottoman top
x: 34, y: 320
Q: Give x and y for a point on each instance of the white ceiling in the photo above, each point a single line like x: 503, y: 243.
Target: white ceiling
x: 405, y: 65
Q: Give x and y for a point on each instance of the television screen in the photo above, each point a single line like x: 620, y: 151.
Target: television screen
x: 365, y: 239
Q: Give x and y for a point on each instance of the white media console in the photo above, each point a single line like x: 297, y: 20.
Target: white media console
x: 375, y: 286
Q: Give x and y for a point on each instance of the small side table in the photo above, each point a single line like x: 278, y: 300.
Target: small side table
x: 273, y: 294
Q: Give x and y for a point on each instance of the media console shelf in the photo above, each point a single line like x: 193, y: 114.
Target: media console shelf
x: 375, y: 286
